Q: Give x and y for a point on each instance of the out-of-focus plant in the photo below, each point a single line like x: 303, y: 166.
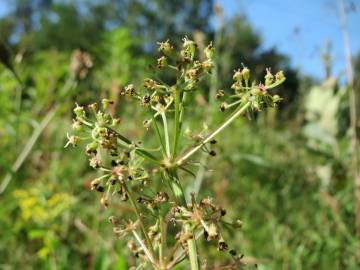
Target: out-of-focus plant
x: 149, y: 177
x: 41, y: 214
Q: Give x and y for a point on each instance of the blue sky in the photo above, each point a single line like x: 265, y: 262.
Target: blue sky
x: 300, y: 29
x: 297, y: 28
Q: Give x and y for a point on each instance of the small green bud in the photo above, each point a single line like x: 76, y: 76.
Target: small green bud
x: 189, y: 44
x: 210, y: 51
x: 189, y: 47
x: 93, y: 107
x: 79, y: 111
x: 279, y: 76
x: 103, y: 118
x: 237, y: 223
x: 237, y: 86
x: 72, y: 140
x: 106, y: 102
x: 161, y: 62
x: 165, y: 47
x: 276, y: 98
x: 269, y: 78
x: 237, y: 75
x: 104, y: 201
x: 245, y: 73
x: 77, y: 126
x: 207, y: 65
x: 115, y: 121
x: 188, y: 133
x: 130, y: 90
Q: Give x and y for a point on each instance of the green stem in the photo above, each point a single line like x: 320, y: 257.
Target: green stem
x: 157, y: 131
x: 182, y: 109
x: 180, y: 199
x: 145, y: 249
x: 194, y: 262
x: 238, y: 112
x: 177, y: 122
x: 142, y: 227
x: 166, y: 134
x: 162, y: 242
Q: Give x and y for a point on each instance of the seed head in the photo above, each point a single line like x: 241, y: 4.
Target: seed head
x: 165, y: 47
x: 279, y: 76
x: 95, y: 162
x: 222, y: 245
x: 114, y: 220
x: 161, y: 62
x: 150, y: 84
x: 72, y: 140
x: 95, y: 183
x: 130, y: 90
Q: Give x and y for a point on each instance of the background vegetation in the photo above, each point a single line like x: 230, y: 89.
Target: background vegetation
x: 287, y: 176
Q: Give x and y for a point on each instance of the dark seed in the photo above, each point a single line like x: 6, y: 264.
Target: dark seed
x: 222, y: 246
x: 100, y: 189
x: 112, y: 181
x: 232, y: 252
x: 212, y: 153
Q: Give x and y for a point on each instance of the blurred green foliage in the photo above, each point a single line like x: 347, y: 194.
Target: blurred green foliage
x: 286, y: 178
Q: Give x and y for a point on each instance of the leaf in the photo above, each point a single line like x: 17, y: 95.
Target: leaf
x: 120, y: 263
x: 102, y: 260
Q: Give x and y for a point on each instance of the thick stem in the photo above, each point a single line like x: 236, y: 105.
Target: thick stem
x: 177, y: 122
x: 180, y: 198
x: 166, y: 134
x: 193, y: 257
x: 237, y: 113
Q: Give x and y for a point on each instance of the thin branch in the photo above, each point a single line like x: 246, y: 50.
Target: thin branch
x: 237, y: 113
